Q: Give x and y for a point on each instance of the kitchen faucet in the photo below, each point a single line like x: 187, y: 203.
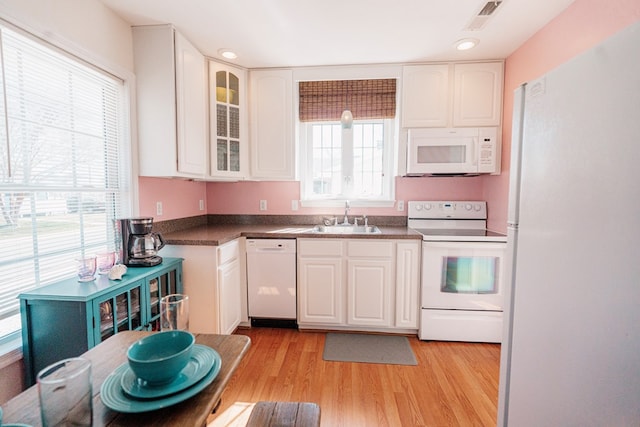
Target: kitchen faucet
x: 364, y: 217
x: 346, y: 212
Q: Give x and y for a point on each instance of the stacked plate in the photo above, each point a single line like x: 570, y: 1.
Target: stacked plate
x: 122, y: 391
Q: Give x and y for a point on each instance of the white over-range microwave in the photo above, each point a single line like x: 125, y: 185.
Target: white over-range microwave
x: 453, y: 151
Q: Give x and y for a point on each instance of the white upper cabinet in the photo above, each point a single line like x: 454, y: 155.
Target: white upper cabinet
x: 272, y: 141
x: 452, y: 95
x: 425, y: 96
x: 477, y: 94
x: 172, y: 103
x: 228, y: 138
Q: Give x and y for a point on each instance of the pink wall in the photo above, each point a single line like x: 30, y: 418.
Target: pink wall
x: 582, y: 25
x: 179, y: 198
x: 244, y: 197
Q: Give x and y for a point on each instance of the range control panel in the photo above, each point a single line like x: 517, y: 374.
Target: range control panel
x: 442, y: 209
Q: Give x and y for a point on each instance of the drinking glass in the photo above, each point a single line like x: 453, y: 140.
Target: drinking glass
x: 65, y: 393
x: 105, y: 261
x: 174, y: 312
x: 86, y: 268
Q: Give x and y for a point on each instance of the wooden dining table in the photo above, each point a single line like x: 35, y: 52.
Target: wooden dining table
x: 108, y: 355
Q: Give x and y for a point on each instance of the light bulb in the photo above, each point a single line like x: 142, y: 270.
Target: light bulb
x: 466, y: 44
x: 346, y: 119
x: 227, y: 53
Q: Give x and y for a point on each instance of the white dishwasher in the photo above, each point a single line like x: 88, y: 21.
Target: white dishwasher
x: 271, y: 281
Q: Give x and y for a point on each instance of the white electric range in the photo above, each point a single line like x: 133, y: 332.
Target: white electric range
x: 463, y: 267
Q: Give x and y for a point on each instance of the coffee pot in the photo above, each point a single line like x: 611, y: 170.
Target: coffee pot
x: 139, y: 244
x: 145, y: 246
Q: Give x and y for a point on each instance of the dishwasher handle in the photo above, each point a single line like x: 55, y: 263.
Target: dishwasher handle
x: 271, y: 246
x: 279, y: 248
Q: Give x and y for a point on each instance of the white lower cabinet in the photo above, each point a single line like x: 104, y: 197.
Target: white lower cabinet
x: 369, y: 292
x: 408, y: 266
x: 354, y: 284
x: 230, y: 296
x: 320, y: 300
x: 320, y: 281
x: 214, y: 278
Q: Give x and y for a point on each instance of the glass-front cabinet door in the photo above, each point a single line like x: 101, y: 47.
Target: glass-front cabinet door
x: 119, y: 312
x: 161, y: 285
x: 228, y: 138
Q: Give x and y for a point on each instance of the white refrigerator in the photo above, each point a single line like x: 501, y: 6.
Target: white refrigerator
x: 571, y: 348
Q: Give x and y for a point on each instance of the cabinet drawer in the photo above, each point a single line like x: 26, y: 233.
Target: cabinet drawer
x: 228, y: 252
x: 320, y: 247
x: 370, y: 248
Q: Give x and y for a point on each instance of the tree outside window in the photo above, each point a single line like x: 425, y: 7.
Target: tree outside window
x: 63, y: 166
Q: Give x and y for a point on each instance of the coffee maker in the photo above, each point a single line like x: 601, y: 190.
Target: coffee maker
x: 139, y: 245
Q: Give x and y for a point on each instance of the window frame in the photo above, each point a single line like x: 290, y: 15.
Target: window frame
x: 127, y: 166
x: 355, y: 72
x: 389, y: 163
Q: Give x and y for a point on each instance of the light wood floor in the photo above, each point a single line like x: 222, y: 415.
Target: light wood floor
x: 454, y: 384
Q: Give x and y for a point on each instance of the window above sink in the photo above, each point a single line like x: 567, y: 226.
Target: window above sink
x: 352, y: 160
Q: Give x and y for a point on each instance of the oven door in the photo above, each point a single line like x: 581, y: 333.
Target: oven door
x: 463, y: 275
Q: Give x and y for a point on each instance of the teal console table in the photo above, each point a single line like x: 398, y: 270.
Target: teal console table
x: 67, y: 318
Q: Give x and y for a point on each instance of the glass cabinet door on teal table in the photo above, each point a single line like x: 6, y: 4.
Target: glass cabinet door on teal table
x: 119, y: 311
x: 159, y: 285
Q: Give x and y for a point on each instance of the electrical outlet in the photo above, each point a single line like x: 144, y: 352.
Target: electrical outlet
x: 201, y: 205
x: 159, y: 208
x: 263, y: 205
x: 400, y: 205
x: 294, y: 205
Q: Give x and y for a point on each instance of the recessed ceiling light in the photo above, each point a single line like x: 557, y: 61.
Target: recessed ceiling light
x: 227, y: 53
x: 466, y: 44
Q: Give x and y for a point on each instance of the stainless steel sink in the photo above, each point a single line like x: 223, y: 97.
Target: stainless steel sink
x: 346, y: 229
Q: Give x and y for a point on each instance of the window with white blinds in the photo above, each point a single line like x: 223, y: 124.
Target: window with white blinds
x: 64, y: 166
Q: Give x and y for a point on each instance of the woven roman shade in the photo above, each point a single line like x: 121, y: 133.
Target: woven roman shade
x: 367, y: 99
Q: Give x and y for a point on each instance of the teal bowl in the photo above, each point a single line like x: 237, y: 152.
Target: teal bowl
x: 159, y: 358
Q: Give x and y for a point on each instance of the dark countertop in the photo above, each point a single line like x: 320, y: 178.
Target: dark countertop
x: 218, y: 234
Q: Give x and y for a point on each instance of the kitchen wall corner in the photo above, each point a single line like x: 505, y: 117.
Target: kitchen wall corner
x: 180, y: 198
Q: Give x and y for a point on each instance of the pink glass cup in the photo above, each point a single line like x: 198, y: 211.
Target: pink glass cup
x: 105, y: 261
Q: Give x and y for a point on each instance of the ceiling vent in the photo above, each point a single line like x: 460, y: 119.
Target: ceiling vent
x: 480, y: 20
